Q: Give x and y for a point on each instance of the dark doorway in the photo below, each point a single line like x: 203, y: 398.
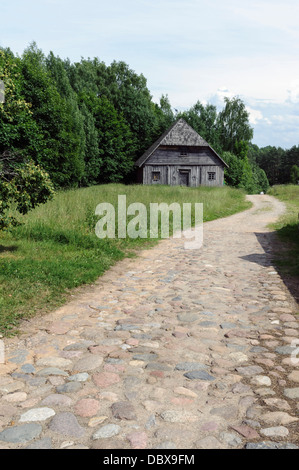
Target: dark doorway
x: 184, y: 177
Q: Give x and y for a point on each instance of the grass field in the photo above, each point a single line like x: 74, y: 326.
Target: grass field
x: 56, y: 249
x: 287, y: 226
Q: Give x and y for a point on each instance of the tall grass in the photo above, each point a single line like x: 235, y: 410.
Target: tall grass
x: 56, y: 249
x: 288, y: 225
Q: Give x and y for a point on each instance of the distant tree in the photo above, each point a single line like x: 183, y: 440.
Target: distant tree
x: 233, y: 124
x: 261, y: 182
x: 242, y: 174
x: 128, y: 93
x: 60, y: 153
x: 294, y: 174
x: 92, y: 159
x: 233, y: 174
x: 115, y: 142
x: 18, y: 129
x: 291, y: 159
x: 270, y: 159
x: 164, y: 114
x: 203, y: 119
x: 241, y: 149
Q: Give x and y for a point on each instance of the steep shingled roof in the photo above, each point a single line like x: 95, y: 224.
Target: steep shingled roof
x: 179, y: 133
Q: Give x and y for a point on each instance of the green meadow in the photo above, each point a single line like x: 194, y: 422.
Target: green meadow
x: 288, y: 226
x: 55, y: 249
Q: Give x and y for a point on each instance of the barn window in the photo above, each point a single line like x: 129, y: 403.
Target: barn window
x: 156, y: 175
x: 183, y: 152
x: 211, y: 175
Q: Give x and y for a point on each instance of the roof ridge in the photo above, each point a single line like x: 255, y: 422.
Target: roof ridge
x: 167, y: 138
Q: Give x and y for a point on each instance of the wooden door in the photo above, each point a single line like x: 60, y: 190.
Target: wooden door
x: 183, y: 178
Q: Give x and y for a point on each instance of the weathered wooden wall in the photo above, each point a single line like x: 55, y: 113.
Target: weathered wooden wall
x: 198, y: 162
x: 172, y: 155
x: 198, y: 175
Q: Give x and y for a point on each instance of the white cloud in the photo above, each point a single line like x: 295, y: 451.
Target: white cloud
x: 254, y: 115
x: 293, y: 92
x: 188, y: 50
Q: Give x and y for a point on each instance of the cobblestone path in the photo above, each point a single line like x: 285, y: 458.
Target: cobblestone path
x: 177, y: 349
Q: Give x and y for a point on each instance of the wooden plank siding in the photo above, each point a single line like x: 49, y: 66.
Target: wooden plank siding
x: 195, y: 156
x: 199, y: 162
x: 169, y: 174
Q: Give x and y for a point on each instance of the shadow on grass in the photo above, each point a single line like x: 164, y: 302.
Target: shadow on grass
x: 8, y: 248
x: 282, y: 254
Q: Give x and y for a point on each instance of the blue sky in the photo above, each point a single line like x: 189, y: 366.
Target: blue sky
x: 190, y: 49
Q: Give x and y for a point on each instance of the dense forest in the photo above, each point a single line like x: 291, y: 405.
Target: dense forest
x: 86, y: 123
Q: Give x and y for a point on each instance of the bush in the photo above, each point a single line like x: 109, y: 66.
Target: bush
x: 23, y: 186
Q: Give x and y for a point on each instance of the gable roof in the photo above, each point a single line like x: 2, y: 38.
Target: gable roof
x: 179, y: 133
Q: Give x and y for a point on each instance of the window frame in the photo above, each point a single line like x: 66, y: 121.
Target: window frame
x: 156, y: 173
x: 211, y: 175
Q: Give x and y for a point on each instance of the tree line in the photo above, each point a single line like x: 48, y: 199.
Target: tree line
x: 281, y: 165
x: 85, y: 123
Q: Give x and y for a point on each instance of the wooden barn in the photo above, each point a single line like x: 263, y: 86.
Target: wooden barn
x: 181, y: 157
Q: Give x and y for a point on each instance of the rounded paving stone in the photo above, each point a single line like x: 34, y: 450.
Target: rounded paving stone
x: 67, y: 425
x: 45, y: 443
x: 123, y: 410
x: 188, y: 317
x: 21, y: 434
x: 190, y: 366
x: 70, y: 387
x: 178, y: 416
x: 57, y: 399
x: 81, y: 377
x: 294, y: 376
x: 138, y: 440
x: 87, y: 407
x: 109, y: 430
x: 52, y: 371
x: 59, y: 362
x: 292, y: 393
x: 105, y: 379
x: 88, y: 363
x: 261, y: 380
x: 37, y: 414
x: 199, y: 375
x: 278, y: 431
x: 15, y: 397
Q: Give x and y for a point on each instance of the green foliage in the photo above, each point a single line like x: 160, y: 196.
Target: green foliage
x: 30, y: 187
x: 18, y: 130
x: 130, y: 96
x: 241, y: 149
x: 287, y: 227
x: 276, y: 162
x: 60, y: 152
x: 233, y: 174
x: 86, y: 123
x: 294, y: 174
x: 242, y: 174
x: 23, y: 187
x: 233, y: 124
x: 203, y: 119
x: 261, y: 182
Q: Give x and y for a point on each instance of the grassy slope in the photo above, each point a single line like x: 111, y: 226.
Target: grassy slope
x: 56, y: 248
x: 287, y: 226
